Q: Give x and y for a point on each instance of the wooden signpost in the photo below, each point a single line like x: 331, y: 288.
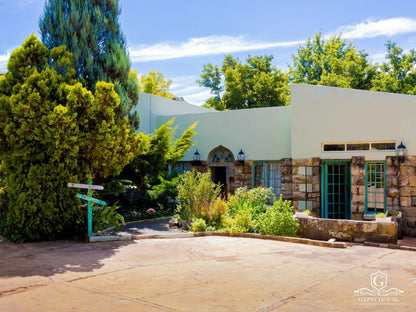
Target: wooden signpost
x: 89, y: 199
x: 92, y: 199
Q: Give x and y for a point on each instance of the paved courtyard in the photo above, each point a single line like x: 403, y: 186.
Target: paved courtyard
x: 204, y: 274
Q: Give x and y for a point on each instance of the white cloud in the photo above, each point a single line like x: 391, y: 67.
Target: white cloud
x: 371, y: 28
x: 201, y: 46
x: 4, y: 58
x: 197, y: 98
x: 184, y: 84
x: 222, y: 44
x: 186, y: 87
x: 378, y: 58
x: 180, y: 80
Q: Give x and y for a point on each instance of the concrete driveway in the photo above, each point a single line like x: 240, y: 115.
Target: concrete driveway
x: 204, y: 274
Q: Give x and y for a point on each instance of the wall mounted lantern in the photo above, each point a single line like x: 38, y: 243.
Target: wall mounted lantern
x: 197, y: 156
x: 196, y: 159
x: 241, y: 156
x: 401, y: 152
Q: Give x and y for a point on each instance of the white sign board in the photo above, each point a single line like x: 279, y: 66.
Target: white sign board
x: 86, y: 186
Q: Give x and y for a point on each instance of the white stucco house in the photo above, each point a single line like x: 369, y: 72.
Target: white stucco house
x: 337, y: 152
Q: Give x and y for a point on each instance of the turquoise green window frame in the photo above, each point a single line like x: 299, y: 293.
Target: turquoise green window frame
x: 181, y: 167
x: 373, y: 175
x: 266, y: 173
x: 329, y: 199
x: 254, y: 172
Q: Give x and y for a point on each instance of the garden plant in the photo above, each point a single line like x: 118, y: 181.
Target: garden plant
x: 247, y: 211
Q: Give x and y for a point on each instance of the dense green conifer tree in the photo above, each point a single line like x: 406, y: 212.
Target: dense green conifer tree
x: 91, y: 32
x: 53, y: 131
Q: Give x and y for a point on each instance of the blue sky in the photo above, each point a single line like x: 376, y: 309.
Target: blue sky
x: 177, y: 37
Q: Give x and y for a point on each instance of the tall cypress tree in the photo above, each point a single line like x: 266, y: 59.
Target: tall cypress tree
x: 90, y: 29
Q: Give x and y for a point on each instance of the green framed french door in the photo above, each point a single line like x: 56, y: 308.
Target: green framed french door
x: 336, y: 189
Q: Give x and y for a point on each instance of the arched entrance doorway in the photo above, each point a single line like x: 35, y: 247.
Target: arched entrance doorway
x: 221, y: 162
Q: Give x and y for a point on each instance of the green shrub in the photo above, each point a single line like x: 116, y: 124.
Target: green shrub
x: 164, y: 194
x: 198, y: 225
x: 245, y: 207
x: 105, y: 217
x: 242, y: 220
x: 196, y: 193
x: 215, y: 213
x: 257, y: 198
x: 278, y: 220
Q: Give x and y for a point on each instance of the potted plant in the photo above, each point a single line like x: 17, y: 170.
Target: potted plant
x: 382, y: 217
x: 302, y: 214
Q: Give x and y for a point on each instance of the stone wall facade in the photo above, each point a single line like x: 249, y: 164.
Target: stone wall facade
x: 407, y: 194
x: 348, y: 230
x: 392, y: 184
x: 357, y: 187
x: 243, y: 175
x: 286, y: 178
x: 306, y: 189
x: 199, y: 166
x: 301, y: 184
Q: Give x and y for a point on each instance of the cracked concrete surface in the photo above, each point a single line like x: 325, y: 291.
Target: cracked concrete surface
x: 198, y: 274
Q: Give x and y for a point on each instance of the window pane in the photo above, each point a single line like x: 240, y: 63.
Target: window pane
x: 334, y: 147
x: 259, y: 174
x: 375, y: 188
x: 371, y: 167
x: 187, y: 166
x: 275, y: 178
x: 383, y: 146
x: 358, y: 147
x: 229, y: 158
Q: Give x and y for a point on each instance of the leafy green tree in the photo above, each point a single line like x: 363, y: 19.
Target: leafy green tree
x: 254, y: 84
x: 332, y: 63
x: 91, y: 32
x: 211, y: 78
x: 398, y: 74
x: 155, y: 83
x: 53, y: 131
x: 148, y: 171
x: 214, y: 103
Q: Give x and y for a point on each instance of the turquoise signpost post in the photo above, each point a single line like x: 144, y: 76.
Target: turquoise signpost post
x: 89, y: 199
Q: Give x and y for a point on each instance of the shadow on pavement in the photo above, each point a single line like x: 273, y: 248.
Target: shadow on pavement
x: 50, y: 258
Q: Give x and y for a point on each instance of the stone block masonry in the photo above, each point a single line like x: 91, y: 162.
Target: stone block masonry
x: 301, y: 184
x: 357, y: 187
x: 243, y: 174
x: 392, y: 184
x: 401, y: 191
x: 305, y: 184
x: 286, y: 178
x: 349, y: 230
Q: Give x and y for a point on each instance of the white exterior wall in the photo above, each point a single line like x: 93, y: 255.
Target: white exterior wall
x: 336, y: 115
x: 151, y: 106
x: 262, y: 133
